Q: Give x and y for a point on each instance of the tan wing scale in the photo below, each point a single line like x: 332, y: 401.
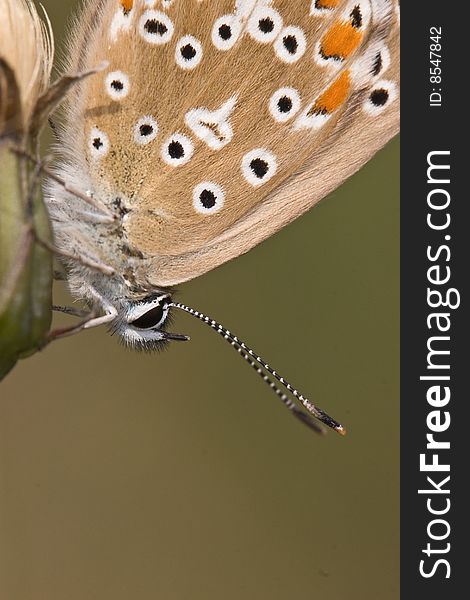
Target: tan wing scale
x: 215, y: 144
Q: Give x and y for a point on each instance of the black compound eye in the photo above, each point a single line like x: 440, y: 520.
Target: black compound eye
x: 152, y: 318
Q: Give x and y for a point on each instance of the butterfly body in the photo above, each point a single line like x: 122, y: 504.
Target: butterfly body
x: 213, y: 125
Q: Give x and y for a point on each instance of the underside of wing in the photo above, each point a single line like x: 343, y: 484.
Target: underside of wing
x: 217, y: 123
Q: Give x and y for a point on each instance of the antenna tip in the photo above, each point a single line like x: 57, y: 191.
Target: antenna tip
x: 341, y: 430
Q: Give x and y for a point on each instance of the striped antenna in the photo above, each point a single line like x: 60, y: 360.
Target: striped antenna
x: 260, y: 367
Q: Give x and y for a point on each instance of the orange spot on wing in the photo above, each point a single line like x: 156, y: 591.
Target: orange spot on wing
x: 127, y: 5
x: 340, y: 41
x: 333, y: 97
x: 327, y: 4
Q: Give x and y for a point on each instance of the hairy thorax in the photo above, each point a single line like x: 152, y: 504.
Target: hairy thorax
x: 94, y: 245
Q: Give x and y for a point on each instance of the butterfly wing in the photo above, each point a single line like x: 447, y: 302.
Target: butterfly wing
x: 217, y: 123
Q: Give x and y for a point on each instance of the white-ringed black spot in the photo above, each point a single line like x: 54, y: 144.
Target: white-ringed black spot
x: 378, y: 59
x: 155, y: 27
x: 378, y: 99
x: 208, y: 197
x: 145, y: 130
x: 291, y: 44
x: 98, y: 143
x: 258, y: 166
x: 177, y: 150
x: 264, y: 24
x: 188, y: 52
x: 284, y: 104
x: 117, y: 85
x: 225, y: 32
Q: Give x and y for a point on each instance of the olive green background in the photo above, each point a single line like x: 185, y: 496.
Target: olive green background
x: 179, y: 475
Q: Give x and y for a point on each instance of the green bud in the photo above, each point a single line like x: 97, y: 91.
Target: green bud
x: 25, y: 265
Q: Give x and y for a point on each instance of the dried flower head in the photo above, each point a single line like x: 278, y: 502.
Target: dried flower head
x: 26, y: 54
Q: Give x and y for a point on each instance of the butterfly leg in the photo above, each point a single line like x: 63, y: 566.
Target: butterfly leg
x: 86, y: 262
x: 110, y: 312
x: 92, y: 319
x: 59, y: 275
x: 71, y: 310
x: 97, y: 321
x: 104, y: 215
x: 61, y: 332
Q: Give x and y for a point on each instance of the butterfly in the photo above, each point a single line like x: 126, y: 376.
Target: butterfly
x: 209, y: 126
